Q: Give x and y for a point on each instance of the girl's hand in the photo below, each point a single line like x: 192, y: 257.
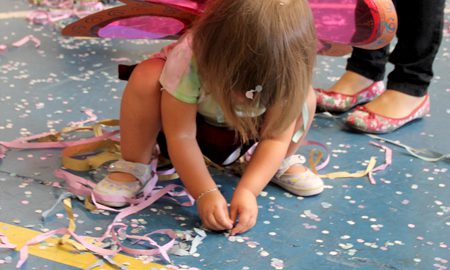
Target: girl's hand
x: 213, y: 211
x: 244, y: 208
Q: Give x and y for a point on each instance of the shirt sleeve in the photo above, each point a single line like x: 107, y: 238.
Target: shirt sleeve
x: 179, y: 76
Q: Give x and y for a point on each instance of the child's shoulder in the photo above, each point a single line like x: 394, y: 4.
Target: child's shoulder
x: 179, y: 76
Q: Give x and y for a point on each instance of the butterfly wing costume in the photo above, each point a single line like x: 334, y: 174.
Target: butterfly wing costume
x: 340, y: 24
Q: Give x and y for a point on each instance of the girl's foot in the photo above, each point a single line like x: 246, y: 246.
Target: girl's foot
x: 350, y: 90
x: 297, y: 179
x: 388, y: 112
x: 124, y: 181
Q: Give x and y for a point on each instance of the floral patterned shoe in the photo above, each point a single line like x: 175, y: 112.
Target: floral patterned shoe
x: 364, y: 120
x: 302, y: 184
x: 335, y: 102
x: 118, y: 194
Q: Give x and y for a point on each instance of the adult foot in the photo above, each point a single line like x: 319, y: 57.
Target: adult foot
x: 350, y: 83
x: 388, y: 112
x: 394, y: 104
x: 349, y: 91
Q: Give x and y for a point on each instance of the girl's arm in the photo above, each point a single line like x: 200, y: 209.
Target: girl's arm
x: 179, y: 126
x: 262, y: 167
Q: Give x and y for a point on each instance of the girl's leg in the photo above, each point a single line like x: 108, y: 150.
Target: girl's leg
x: 140, y: 115
x: 297, y: 179
x: 293, y: 147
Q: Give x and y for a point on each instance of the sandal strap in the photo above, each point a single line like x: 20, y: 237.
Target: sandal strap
x: 141, y: 171
x: 288, y: 162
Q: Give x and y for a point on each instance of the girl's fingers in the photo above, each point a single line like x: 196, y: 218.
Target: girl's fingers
x: 213, y: 225
x: 246, y: 221
x: 233, y: 214
x: 222, y: 219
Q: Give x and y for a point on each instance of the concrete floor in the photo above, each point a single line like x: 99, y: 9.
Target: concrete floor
x: 402, y: 222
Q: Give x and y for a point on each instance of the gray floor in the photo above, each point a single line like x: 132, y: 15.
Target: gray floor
x: 402, y: 222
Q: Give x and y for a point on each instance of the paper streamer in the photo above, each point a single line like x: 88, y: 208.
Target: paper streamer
x: 4, y: 243
x: 314, y: 158
x: 22, y: 42
x: 63, y: 10
x: 382, y: 167
x: 62, y: 197
x: 91, y: 118
x: 423, y: 154
x: 357, y: 174
x: 27, y: 39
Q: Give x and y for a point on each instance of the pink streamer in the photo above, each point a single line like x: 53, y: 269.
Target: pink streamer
x: 23, y: 144
x: 27, y: 39
x: 91, y: 118
x: 63, y: 4
x: 111, y: 232
x: 65, y: 10
x: 382, y: 167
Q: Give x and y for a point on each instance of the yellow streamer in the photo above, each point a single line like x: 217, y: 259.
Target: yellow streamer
x: 314, y: 161
x: 345, y: 174
x: 65, y: 239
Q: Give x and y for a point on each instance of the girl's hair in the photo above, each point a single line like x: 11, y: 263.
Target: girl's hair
x: 241, y: 44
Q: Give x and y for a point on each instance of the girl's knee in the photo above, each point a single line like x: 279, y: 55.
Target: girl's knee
x: 144, y: 80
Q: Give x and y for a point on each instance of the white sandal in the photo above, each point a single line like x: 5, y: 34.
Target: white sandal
x: 302, y: 184
x: 123, y: 191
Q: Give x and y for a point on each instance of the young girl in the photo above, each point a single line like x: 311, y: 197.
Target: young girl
x: 242, y: 74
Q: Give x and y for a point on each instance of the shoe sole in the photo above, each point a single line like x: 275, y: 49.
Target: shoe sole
x: 302, y: 192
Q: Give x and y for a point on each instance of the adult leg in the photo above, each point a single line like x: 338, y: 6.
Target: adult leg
x: 419, y: 37
x: 364, y: 67
x: 361, y: 82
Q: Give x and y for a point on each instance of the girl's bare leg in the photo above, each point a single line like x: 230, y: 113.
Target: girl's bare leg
x: 293, y: 147
x: 140, y: 115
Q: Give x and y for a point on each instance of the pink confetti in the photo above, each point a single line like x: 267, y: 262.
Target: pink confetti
x: 309, y: 227
x: 121, y: 59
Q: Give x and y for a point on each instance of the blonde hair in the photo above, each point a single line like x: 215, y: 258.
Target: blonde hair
x: 240, y: 44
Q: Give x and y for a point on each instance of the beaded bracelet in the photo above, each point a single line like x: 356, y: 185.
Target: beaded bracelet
x: 206, y: 192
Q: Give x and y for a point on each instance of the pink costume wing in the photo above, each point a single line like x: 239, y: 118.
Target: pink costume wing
x: 340, y: 24
x: 137, y: 19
